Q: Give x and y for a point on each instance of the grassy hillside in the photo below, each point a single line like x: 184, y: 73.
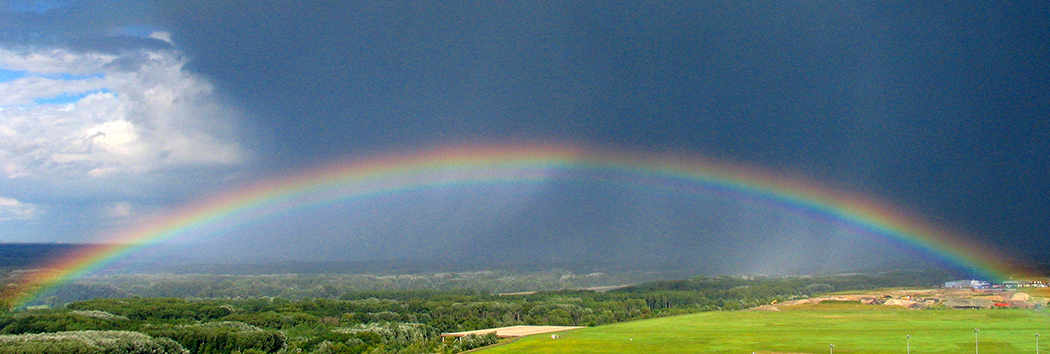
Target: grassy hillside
x: 809, y: 330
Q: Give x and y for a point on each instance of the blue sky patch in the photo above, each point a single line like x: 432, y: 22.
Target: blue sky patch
x: 10, y: 75
x: 67, y: 97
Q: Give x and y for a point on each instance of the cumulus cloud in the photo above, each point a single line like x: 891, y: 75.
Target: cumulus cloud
x: 132, y: 112
x: 12, y: 209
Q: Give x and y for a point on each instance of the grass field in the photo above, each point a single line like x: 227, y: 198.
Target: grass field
x: 851, y: 327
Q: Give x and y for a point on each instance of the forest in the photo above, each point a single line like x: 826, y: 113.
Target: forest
x: 383, y: 320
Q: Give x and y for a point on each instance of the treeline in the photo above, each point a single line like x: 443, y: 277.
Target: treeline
x: 741, y: 292
x: 330, y: 286
x: 88, y: 342
x: 410, y: 321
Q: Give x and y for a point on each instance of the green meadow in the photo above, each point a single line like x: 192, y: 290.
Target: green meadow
x: 851, y: 328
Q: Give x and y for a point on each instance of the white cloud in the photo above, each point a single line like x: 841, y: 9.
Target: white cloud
x: 119, y: 210
x: 12, y: 209
x: 141, y: 112
x: 161, y: 35
x: 54, y: 61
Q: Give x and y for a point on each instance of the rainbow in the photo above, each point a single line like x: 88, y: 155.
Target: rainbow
x: 463, y: 166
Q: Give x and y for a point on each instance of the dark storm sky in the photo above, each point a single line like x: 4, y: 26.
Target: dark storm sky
x: 942, y: 107
x: 939, y: 107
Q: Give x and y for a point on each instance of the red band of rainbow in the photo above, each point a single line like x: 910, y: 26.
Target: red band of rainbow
x: 528, y: 163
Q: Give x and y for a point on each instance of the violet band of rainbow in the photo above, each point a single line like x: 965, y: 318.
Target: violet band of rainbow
x: 464, y: 166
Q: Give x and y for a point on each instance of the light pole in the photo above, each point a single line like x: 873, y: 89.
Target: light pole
x: 976, y: 350
x: 1037, y: 343
x: 831, y: 348
x: 909, y: 343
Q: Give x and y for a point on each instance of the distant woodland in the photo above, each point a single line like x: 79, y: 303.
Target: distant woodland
x: 327, y: 314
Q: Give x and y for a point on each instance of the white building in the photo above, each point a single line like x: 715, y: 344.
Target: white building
x: 977, y: 284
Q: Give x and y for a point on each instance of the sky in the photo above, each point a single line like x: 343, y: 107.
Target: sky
x: 114, y: 112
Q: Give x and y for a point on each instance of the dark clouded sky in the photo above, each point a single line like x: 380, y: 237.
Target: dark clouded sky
x: 940, y: 108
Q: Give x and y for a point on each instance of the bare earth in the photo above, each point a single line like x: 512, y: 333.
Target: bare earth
x: 514, y: 331
x: 916, y: 298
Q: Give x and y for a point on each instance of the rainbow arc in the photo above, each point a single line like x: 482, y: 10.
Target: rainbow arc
x: 465, y: 166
